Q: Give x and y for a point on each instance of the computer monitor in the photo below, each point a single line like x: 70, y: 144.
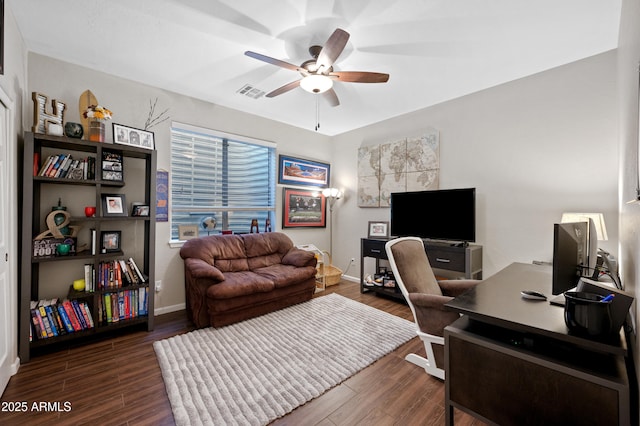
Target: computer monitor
x: 570, y: 255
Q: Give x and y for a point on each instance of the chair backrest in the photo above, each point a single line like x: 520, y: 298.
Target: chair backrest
x: 411, y: 267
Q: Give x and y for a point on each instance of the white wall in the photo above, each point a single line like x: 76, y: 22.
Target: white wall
x: 130, y: 103
x: 533, y: 148
x: 629, y: 58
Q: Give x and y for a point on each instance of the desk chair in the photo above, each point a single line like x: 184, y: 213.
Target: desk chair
x: 426, y: 297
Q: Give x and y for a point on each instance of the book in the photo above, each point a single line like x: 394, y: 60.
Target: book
x: 45, y: 321
x: 138, y: 272
x: 65, y: 318
x: 75, y: 323
x: 89, y: 317
x: 79, y: 314
x: 45, y: 165
x: 41, y: 332
x: 53, y: 319
x: 107, y: 308
x: 54, y: 168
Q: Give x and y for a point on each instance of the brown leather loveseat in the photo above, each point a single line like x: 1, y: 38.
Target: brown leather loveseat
x: 230, y: 278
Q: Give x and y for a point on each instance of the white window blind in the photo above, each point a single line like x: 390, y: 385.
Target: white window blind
x: 220, y: 178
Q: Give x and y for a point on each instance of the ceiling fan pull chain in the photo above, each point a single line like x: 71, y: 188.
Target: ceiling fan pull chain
x: 317, y: 114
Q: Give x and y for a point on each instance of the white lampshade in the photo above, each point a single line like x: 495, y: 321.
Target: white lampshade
x: 316, y: 83
x: 598, y: 220
x: 332, y: 193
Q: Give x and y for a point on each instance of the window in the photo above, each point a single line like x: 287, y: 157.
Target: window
x: 220, y: 182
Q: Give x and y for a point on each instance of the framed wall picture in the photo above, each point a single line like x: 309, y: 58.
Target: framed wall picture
x: 113, y: 205
x: 125, y: 135
x: 378, y: 230
x: 110, y: 241
x: 187, y: 232
x: 303, y: 209
x: 296, y: 171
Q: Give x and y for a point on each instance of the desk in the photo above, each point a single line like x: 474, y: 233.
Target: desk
x: 511, y: 360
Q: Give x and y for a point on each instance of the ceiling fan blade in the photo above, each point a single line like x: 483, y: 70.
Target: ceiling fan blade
x: 283, y: 89
x: 331, y: 97
x: 332, y: 48
x: 272, y: 61
x: 360, y: 76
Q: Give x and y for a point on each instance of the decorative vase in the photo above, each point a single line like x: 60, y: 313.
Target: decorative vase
x: 73, y: 130
x: 96, y: 131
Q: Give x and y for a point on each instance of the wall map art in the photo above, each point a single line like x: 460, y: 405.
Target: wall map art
x: 408, y: 164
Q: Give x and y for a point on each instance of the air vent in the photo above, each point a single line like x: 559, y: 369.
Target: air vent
x: 251, y: 91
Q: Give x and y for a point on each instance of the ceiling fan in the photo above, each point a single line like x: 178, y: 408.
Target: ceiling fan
x: 317, y: 73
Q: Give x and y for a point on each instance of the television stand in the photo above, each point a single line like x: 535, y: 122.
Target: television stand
x: 465, y: 260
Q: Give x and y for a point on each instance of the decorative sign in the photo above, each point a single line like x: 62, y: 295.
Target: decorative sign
x: 41, y: 118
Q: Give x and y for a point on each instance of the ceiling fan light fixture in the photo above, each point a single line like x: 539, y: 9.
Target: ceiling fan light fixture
x: 316, y: 83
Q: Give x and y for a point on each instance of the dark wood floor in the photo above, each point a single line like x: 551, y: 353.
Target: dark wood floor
x: 118, y: 382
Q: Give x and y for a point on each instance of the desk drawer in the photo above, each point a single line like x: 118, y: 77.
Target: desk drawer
x: 374, y: 248
x: 451, y: 259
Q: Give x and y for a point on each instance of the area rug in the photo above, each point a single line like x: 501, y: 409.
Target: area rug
x: 255, y: 371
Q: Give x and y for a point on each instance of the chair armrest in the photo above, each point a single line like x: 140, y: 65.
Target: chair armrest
x: 298, y: 257
x: 198, y: 268
x: 429, y: 301
x: 455, y: 288
x: 431, y: 314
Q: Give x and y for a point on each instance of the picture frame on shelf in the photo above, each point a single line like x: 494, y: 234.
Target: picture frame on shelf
x: 140, y: 210
x: 125, y: 135
x: 110, y: 241
x: 187, y: 232
x: 113, y: 205
x: 298, y: 171
x: 112, y: 169
x: 378, y: 229
x: 303, y: 209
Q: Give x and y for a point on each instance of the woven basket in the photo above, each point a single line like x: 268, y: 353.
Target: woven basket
x: 332, y: 274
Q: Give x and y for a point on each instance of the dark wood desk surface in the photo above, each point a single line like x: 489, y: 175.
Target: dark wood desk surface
x: 497, y: 301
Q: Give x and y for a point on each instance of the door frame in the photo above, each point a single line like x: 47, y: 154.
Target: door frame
x: 11, y: 364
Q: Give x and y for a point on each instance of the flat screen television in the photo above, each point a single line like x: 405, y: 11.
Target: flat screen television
x: 446, y: 214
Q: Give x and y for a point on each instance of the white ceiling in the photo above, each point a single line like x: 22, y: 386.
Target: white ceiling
x: 434, y: 50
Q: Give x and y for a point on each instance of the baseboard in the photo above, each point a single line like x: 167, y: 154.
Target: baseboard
x: 168, y: 309
x: 350, y: 278
x: 15, y: 366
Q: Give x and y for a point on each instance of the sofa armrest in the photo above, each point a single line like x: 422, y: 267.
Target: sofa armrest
x: 298, y: 257
x: 456, y: 287
x: 198, y: 268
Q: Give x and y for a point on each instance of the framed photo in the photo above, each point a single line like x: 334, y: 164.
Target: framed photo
x: 140, y: 210
x: 378, y: 230
x: 187, y: 232
x: 112, y: 166
x: 303, y: 209
x: 296, y: 171
x: 125, y: 135
x: 110, y: 241
x: 113, y: 205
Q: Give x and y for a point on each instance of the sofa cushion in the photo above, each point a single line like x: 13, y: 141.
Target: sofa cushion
x: 238, y: 284
x: 265, y: 249
x: 286, y: 275
x: 225, y: 252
